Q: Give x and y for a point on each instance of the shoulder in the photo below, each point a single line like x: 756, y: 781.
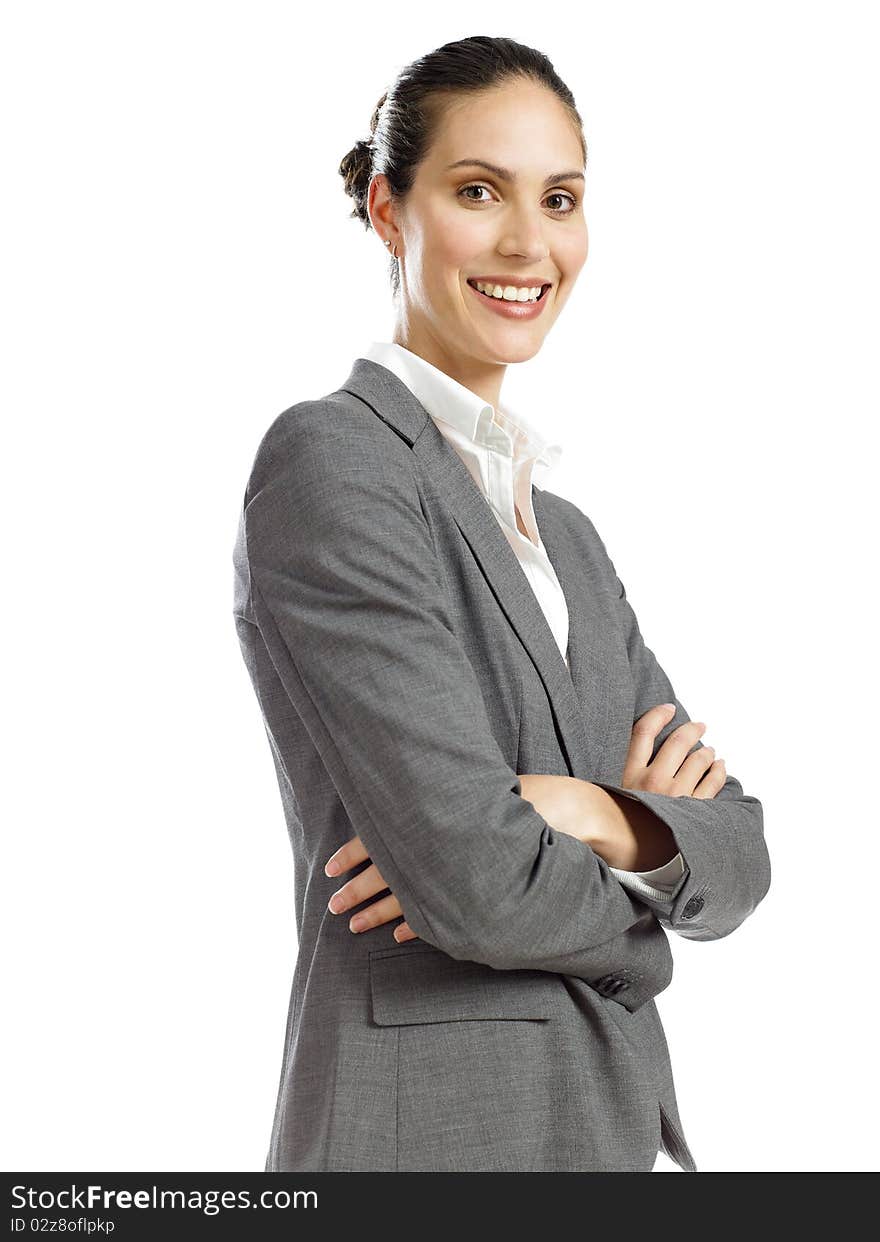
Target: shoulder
x: 328, y: 437
x: 582, y: 536
x: 566, y: 513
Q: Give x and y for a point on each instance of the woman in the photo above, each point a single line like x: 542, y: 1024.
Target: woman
x: 469, y: 732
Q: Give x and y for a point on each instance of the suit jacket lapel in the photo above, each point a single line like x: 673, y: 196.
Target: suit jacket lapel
x: 396, y: 405
x: 586, y: 659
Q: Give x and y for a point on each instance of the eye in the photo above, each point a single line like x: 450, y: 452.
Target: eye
x: 564, y: 194
x: 463, y: 193
x: 464, y: 188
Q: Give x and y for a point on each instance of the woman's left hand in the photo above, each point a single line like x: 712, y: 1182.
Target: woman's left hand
x: 364, y: 885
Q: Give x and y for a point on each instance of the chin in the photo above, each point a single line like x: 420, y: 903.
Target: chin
x: 521, y: 352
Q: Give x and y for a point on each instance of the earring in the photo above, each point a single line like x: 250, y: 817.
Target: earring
x: 393, y: 248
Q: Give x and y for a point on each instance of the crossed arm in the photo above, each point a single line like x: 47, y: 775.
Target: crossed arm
x: 625, y: 833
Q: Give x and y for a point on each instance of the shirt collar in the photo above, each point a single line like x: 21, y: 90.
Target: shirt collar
x: 501, y: 428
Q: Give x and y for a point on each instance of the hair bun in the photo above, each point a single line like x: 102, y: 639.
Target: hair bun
x: 356, y: 170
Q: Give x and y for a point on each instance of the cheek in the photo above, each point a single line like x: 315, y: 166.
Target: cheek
x: 456, y: 237
x: 573, y: 256
x: 581, y: 250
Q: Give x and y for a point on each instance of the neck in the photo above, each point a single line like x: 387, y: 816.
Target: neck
x: 479, y: 377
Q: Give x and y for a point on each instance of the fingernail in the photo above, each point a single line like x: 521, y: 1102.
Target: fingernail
x: 336, y: 904
x: 358, y: 922
x: 669, y: 706
x: 331, y: 868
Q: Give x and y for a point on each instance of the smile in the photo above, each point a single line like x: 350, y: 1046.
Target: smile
x: 512, y: 308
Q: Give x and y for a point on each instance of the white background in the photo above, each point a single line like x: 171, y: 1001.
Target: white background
x: 179, y: 267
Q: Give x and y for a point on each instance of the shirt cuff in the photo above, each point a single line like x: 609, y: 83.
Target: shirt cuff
x: 661, y: 882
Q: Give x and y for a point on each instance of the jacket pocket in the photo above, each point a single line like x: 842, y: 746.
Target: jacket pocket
x: 424, y: 984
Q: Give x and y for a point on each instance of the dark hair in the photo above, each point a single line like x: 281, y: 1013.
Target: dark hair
x: 405, y: 119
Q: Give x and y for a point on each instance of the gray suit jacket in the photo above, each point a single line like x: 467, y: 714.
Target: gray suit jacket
x: 406, y: 673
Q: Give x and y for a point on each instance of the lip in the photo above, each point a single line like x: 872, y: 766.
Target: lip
x: 511, y: 310
x: 520, y: 282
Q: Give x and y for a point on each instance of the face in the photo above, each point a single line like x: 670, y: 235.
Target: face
x: 519, y: 224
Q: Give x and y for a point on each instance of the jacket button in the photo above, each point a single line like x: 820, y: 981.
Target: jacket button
x: 610, y: 985
x: 694, y: 906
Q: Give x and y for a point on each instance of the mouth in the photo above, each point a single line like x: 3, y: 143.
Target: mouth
x: 511, y: 308
x: 509, y: 301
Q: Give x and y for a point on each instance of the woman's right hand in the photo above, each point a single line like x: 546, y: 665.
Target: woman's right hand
x: 672, y: 771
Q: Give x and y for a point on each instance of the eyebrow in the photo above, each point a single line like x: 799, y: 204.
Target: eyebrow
x: 506, y: 175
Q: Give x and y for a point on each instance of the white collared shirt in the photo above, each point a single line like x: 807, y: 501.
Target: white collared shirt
x: 504, y: 453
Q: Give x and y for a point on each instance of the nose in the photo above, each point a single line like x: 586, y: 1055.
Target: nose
x: 524, y: 236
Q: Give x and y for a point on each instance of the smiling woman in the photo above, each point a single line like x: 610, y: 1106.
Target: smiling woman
x: 484, y: 769
x: 474, y: 175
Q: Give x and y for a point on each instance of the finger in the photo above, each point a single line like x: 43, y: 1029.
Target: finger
x: 692, y: 771
x: 365, y: 884
x: 346, y: 857
x: 671, y: 755
x: 404, y: 932
x: 376, y: 914
x: 713, y: 782
x: 644, y: 734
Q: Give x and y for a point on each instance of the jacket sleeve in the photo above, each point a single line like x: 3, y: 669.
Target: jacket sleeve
x: 346, y: 588
x: 721, y: 839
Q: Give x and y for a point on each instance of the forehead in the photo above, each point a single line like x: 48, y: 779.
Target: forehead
x: 520, y: 125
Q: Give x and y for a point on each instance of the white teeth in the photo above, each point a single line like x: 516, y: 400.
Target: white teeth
x: 510, y: 293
